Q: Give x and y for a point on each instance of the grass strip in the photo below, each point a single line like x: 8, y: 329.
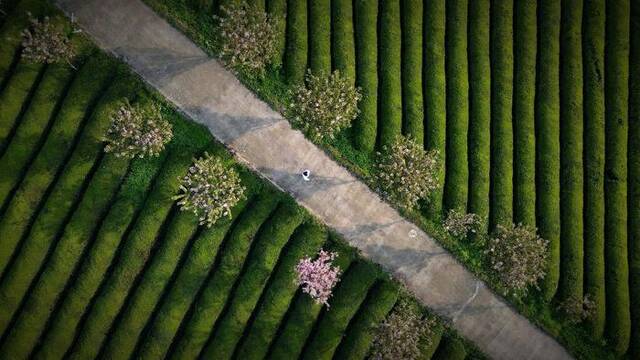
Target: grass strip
x: 280, y: 292
x: 361, y: 332
x: 571, y: 152
x: 456, y: 184
x: 198, y: 324
x: 479, y: 108
x: 365, y: 127
x: 389, y: 72
x: 319, y: 36
x: 302, y: 314
x: 411, y: 67
x: 345, y: 302
x: 618, y: 325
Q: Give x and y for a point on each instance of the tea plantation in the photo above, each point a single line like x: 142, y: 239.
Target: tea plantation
x: 98, y: 261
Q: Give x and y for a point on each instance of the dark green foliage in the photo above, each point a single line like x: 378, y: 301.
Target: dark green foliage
x: 295, y: 57
x: 24, y: 203
x: 209, y: 304
x: 428, y: 346
x: 524, y: 90
x: 456, y: 183
x: 548, y: 138
x: 633, y: 196
x: 262, y: 259
x: 319, y: 36
x: 303, y: 312
x: 278, y: 10
x: 24, y: 144
x: 361, y: 332
x: 48, y: 223
x: 479, y: 107
x: 450, y: 349
x: 135, y: 252
x: 412, y: 102
x: 366, y: 125
x: 434, y: 80
x: 277, y: 298
x: 501, y: 209
x: 615, y: 186
x: 33, y: 316
x: 593, y: 61
x: 162, y: 328
x: 389, y: 70
x: 347, y: 298
x: 571, y: 136
x: 343, y: 51
x: 259, y: 4
x: 129, y: 201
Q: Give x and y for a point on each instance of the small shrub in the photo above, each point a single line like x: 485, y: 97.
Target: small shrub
x: 137, y: 131
x: 45, y: 43
x: 248, y: 37
x: 459, y: 224
x: 325, y: 105
x: 578, y: 309
x: 210, y: 190
x: 406, y: 173
x: 519, y: 257
x: 401, y: 333
x: 318, y: 277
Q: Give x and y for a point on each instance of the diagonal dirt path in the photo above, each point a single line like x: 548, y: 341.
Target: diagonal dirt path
x: 210, y: 95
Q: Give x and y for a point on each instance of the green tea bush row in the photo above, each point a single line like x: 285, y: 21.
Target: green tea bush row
x: 320, y: 36
x: 412, y: 101
x: 389, y: 72
x: 295, y: 56
x: 343, y: 49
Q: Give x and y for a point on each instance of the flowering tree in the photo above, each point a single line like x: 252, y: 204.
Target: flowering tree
x: 248, y: 36
x: 318, y: 277
x: 45, y: 43
x: 137, y: 131
x: 518, y: 255
x: 459, y: 224
x: 399, y: 336
x: 325, y: 105
x: 406, y: 173
x: 210, y: 190
x: 578, y: 309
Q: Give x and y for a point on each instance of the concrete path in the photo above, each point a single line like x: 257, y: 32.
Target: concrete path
x: 210, y: 95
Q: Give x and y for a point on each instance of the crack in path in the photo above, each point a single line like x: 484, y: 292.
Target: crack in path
x: 201, y: 88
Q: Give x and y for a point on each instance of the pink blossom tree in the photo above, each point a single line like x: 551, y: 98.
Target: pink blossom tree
x: 318, y: 277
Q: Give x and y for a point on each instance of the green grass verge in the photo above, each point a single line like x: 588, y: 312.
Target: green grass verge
x: 361, y: 332
x: 295, y: 57
x: 63, y: 323
x: 24, y: 203
x: 303, y: 313
x: 389, y: 71
x: 349, y: 294
x: 548, y: 138
x: 278, y: 296
x: 412, y: 101
x: 58, y: 207
x: 524, y: 90
x: 343, y: 51
x: 571, y: 152
x: 213, y: 296
x: 261, y: 261
x: 479, y: 107
x: 456, y: 183
x: 450, y: 349
x: 33, y: 129
x: 501, y: 206
x: 35, y: 311
x: 165, y: 322
x: 616, y: 57
x: 134, y: 255
x: 319, y: 36
x: 593, y: 92
x: 365, y: 127
x: 435, y: 90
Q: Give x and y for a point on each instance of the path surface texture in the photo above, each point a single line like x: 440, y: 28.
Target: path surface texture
x: 211, y: 95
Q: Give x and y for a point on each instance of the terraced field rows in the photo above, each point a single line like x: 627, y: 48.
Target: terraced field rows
x: 97, y: 261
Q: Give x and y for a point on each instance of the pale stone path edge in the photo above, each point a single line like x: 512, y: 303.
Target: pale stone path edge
x: 201, y: 88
